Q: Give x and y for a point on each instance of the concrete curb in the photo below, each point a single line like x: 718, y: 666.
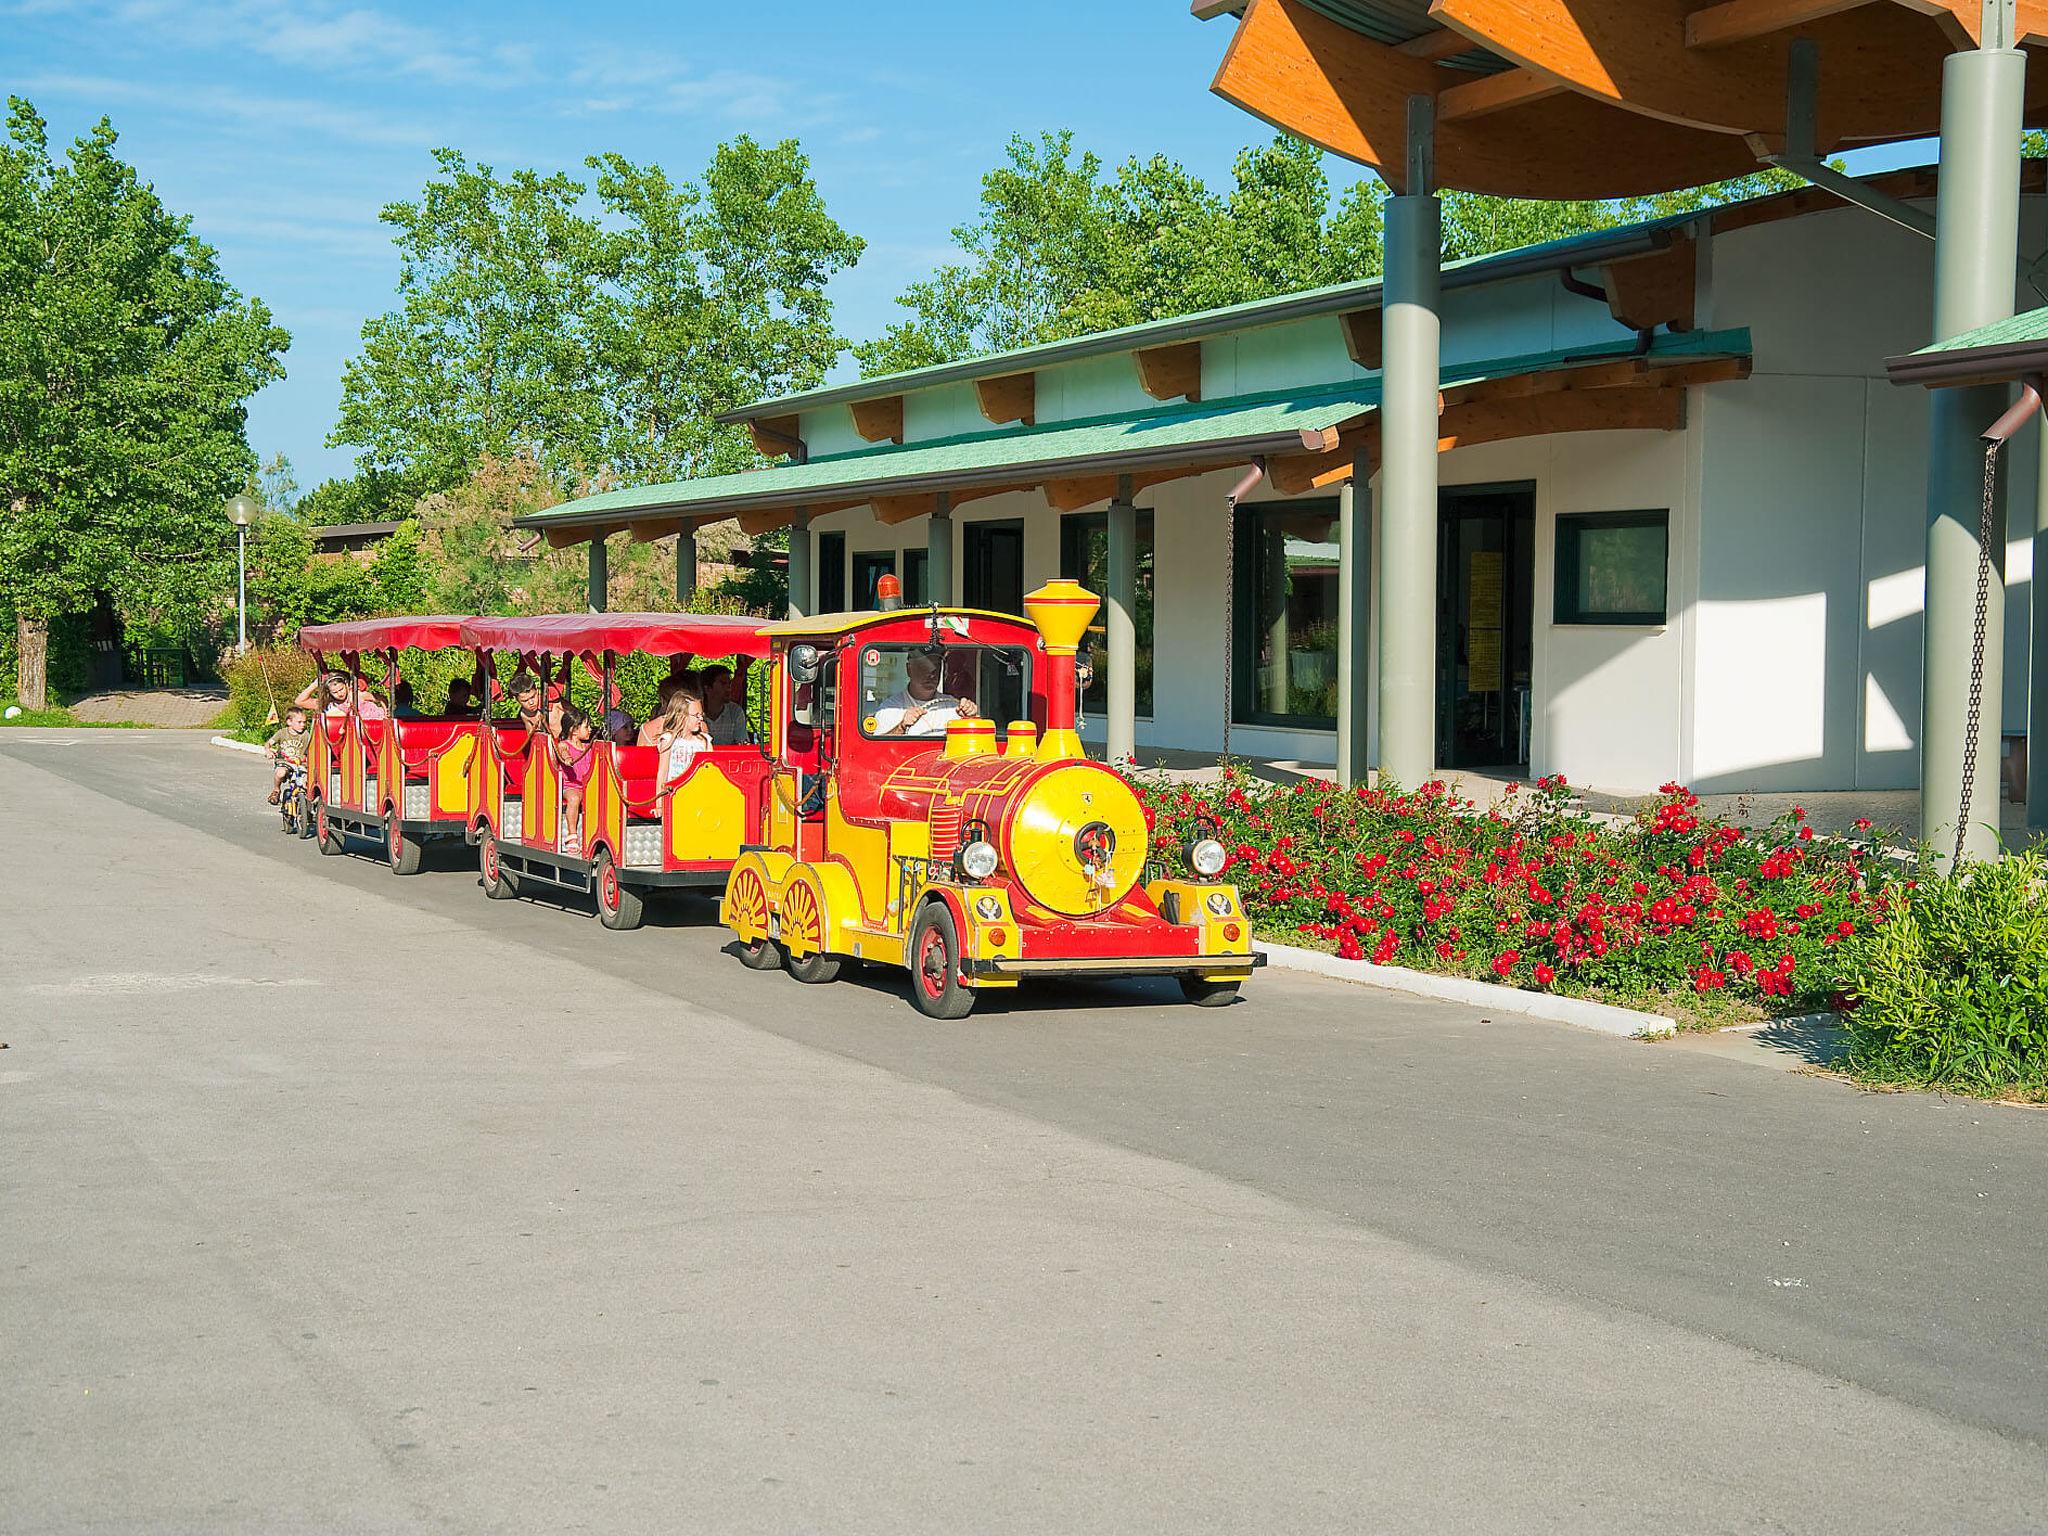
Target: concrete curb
x: 1625, y: 1023
x: 236, y: 746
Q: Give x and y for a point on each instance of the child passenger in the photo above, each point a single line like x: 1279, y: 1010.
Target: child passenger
x: 289, y: 744
x: 576, y: 752
x: 682, y: 734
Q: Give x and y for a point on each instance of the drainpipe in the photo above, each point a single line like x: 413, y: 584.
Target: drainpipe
x: 1237, y: 493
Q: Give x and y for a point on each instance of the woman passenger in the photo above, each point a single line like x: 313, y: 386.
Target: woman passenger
x: 576, y: 753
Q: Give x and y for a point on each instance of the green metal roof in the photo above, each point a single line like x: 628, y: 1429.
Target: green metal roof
x: 1222, y: 432
x: 1336, y: 298
x: 2002, y: 350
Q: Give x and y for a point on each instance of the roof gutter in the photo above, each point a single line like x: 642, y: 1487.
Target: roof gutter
x: 1999, y: 364
x: 1366, y: 295
x: 1218, y: 453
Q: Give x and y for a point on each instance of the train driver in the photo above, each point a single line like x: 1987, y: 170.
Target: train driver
x: 920, y: 709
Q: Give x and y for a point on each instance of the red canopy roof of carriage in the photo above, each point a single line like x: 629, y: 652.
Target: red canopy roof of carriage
x: 660, y: 634
x: 426, y: 632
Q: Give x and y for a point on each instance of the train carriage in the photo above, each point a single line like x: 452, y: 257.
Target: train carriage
x: 400, y: 781
x: 640, y: 833
x: 907, y: 828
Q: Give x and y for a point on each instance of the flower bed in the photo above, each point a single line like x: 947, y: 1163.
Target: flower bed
x: 1673, y: 910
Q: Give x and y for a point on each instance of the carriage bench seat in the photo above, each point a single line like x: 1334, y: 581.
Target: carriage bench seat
x: 640, y: 775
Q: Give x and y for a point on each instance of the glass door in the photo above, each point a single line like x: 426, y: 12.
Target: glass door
x: 1486, y: 541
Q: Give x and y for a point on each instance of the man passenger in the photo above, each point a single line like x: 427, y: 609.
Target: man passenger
x: 724, y: 715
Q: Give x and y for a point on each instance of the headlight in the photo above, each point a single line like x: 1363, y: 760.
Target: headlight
x: 978, y: 861
x: 1207, y: 858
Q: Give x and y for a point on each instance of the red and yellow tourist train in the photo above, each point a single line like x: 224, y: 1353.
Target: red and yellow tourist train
x: 934, y: 810
x: 643, y: 826
x: 911, y: 794
x: 376, y: 769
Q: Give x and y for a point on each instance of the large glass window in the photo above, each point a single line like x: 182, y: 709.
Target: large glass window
x: 869, y: 567
x: 917, y: 570
x: 908, y: 690
x: 1285, y: 669
x: 1611, y: 567
x: 831, y: 573
x: 1084, y: 557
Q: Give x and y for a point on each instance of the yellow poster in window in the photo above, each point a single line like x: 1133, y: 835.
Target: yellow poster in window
x: 1484, y: 622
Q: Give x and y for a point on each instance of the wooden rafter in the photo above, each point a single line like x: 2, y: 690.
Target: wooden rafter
x: 1171, y: 372
x: 901, y: 509
x: 1737, y: 21
x: 1012, y: 397
x: 1661, y: 288
x: 1494, y: 93
x: 1073, y: 495
x: 568, y: 538
x: 659, y: 528
x: 1634, y: 54
x: 1435, y: 46
x: 879, y: 421
x: 1362, y: 337
x: 1323, y: 82
x: 756, y: 523
x: 1620, y: 395
x: 777, y: 436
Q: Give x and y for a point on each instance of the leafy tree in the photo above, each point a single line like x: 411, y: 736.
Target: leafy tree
x: 281, y: 580
x: 125, y: 362
x: 490, y: 349
x: 398, y: 575
x: 368, y: 496
x: 715, y: 296
x: 596, y: 343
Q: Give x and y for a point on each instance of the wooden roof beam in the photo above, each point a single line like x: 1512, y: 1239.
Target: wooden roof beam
x: 1737, y: 21
x: 1362, y: 337
x: 777, y: 436
x: 879, y: 421
x: 891, y: 510
x: 1171, y: 372
x: 1436, y: 45
x: 1012, y: 397
x: 1495, y: 93
x: 1661, y: 288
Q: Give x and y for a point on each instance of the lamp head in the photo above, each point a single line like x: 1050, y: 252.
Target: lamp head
x: 242, y: 511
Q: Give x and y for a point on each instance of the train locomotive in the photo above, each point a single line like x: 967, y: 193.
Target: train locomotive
x: 907, y: 827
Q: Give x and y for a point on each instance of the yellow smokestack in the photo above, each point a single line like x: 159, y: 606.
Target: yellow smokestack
x: 1062, y: 610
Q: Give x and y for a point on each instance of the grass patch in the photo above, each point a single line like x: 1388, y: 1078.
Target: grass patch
x: 56, y: 715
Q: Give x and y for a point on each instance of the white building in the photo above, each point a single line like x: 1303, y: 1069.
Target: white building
x: 1682, y: 515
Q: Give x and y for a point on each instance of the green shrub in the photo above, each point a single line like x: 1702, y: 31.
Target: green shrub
x: 1951, y: 988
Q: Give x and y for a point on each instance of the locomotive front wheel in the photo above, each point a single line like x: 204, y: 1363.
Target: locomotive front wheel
x: 936, y: 985
x: 327, y: 830
x: 618, y: 904
x: 1209, y: 994
x: 500, y: 884
x: 403, y: 855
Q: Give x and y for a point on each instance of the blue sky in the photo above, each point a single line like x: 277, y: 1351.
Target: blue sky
x: 284, y: 127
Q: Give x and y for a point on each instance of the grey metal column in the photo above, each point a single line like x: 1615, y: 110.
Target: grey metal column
x: 1408, y: 469
x: 600, y: 575
x: 2037, y: 656
x: 939, y: 557
x: 1120, y: 615
x: 1975, y: 257
x: 686, y: 565
x: 1354, y: 623
x: 800, y: 565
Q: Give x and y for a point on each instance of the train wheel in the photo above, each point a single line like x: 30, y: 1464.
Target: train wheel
x: 404, y: 856
x: 500, y: 884
x: 936, y: 985
x: 803, y: 927
x: 328, y: 831
x: 618, y: 904
x: 1209, y: 994
x: 746, y: 905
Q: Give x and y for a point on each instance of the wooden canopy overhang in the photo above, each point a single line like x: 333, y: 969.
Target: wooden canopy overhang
x: 1596, y: 98
x: 1603, y: 389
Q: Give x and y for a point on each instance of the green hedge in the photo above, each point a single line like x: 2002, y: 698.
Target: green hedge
x: 1952, y: 990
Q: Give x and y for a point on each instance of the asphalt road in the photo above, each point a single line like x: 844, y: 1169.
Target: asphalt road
x: 333, y: 1201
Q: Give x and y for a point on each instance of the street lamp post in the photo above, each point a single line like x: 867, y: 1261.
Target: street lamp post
x: 242, y: 512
